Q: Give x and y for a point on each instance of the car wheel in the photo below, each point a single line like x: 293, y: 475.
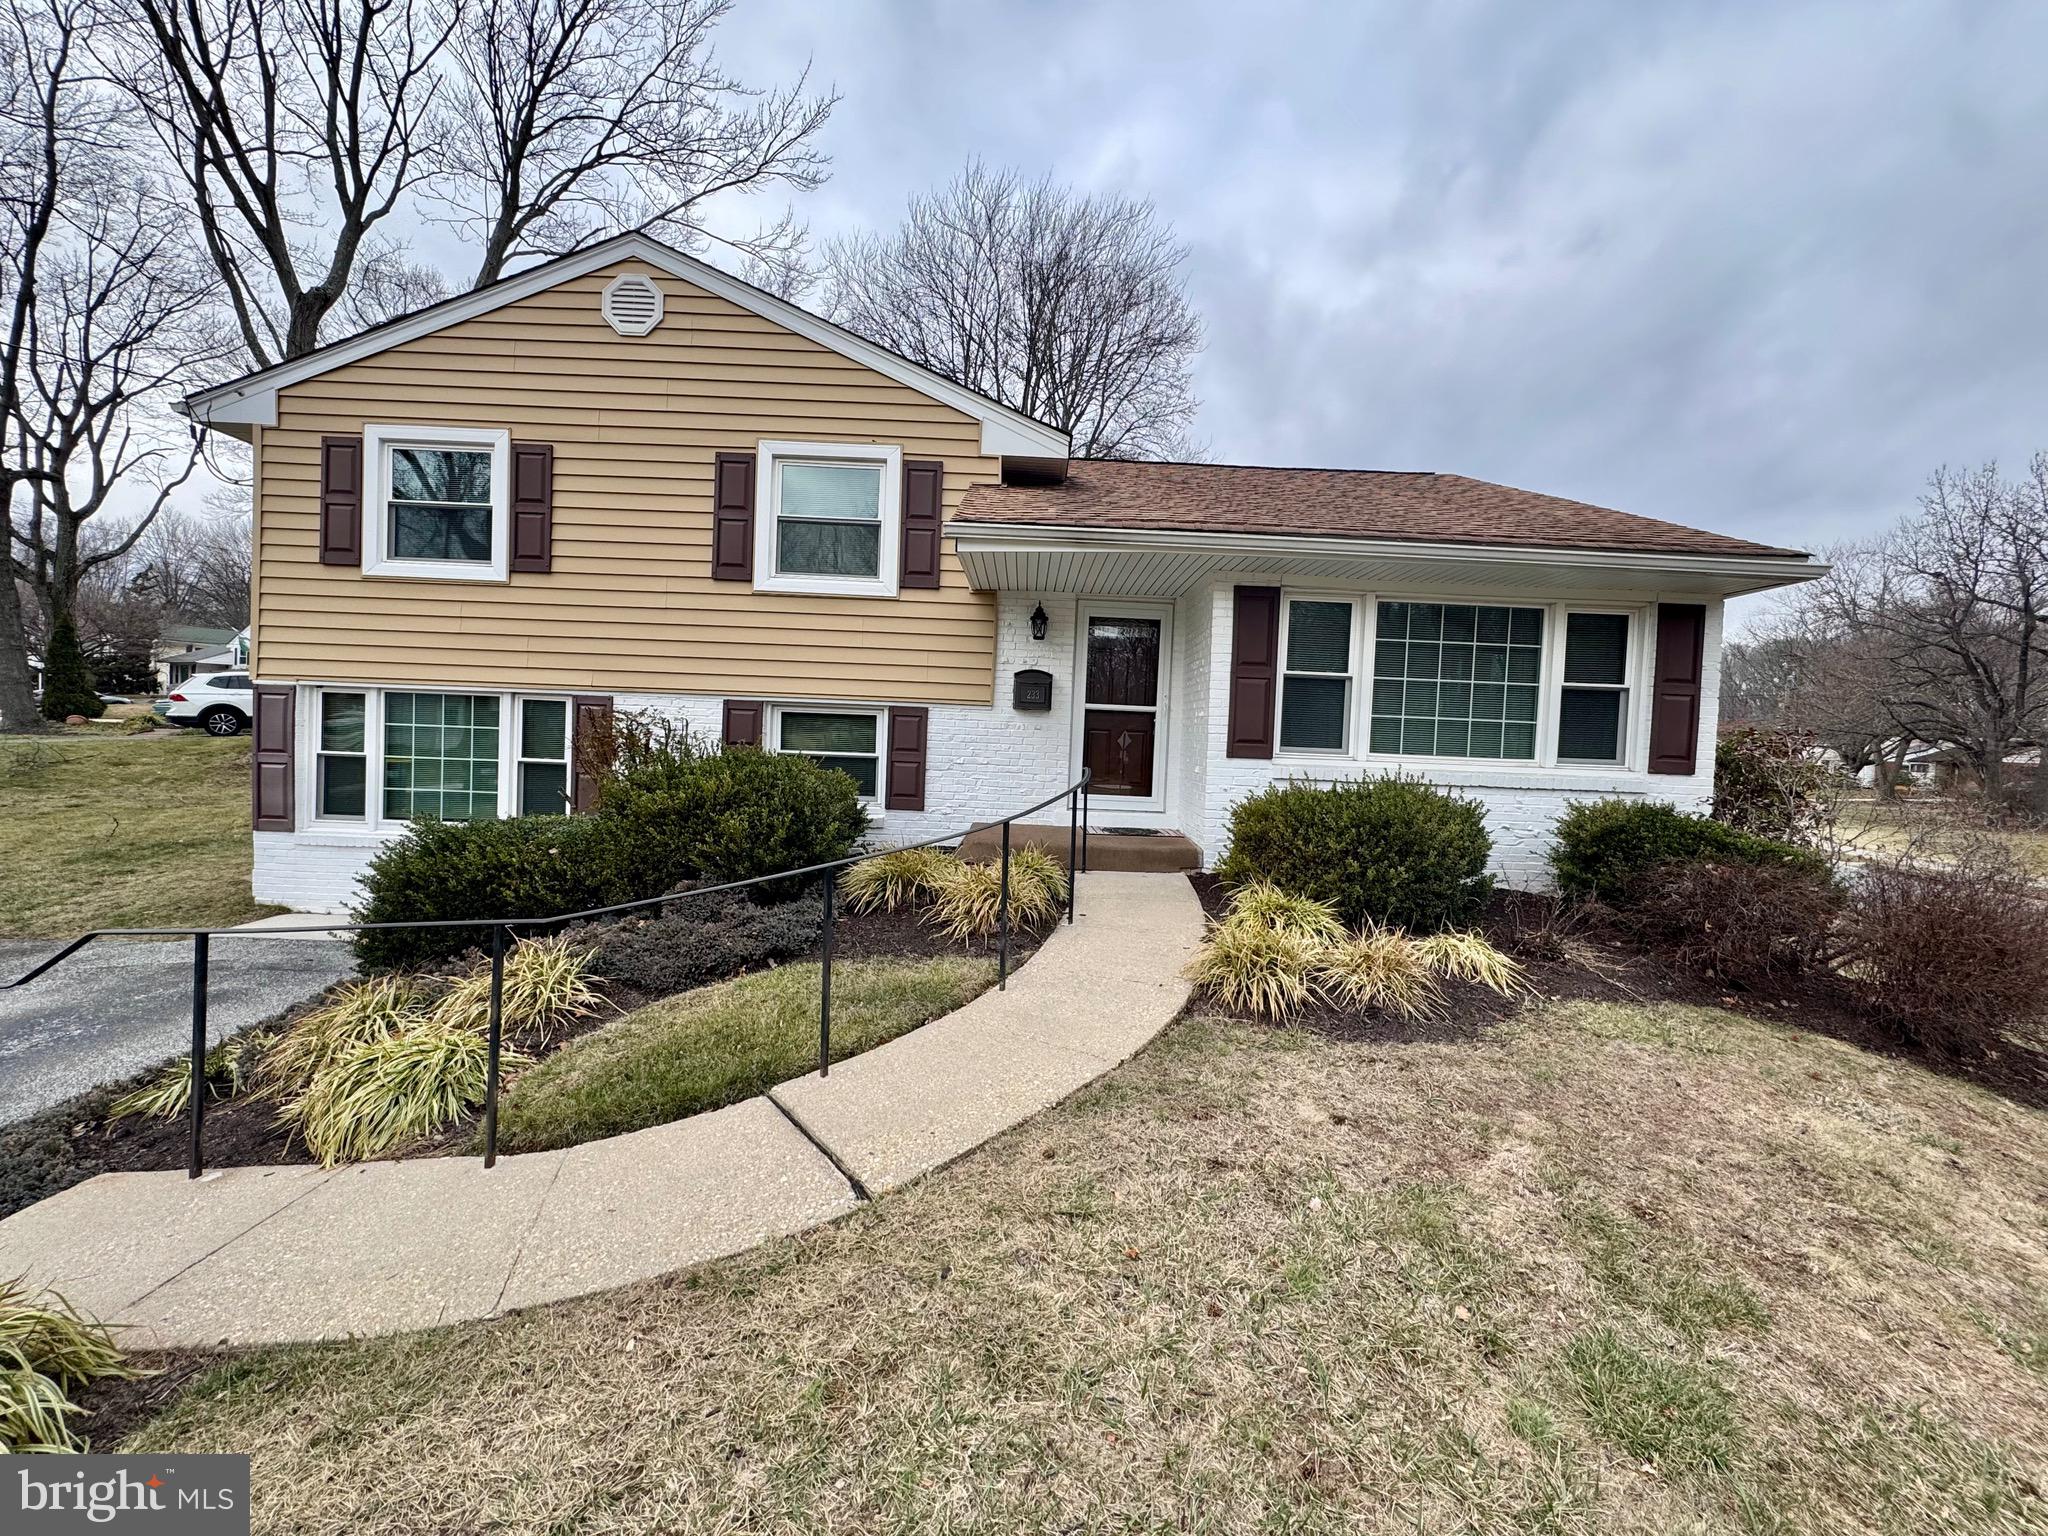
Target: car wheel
x: 223, y: 722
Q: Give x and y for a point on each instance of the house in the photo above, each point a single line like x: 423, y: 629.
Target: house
x: 183, y: 651
x: 625, y: 480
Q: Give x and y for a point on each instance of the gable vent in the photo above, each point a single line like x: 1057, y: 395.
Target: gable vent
x: 632, y: 304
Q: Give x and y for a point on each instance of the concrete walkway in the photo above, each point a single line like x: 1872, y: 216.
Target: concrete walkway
x: 267, y: 1255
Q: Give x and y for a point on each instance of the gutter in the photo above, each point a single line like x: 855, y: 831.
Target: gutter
x: 1033, y: 538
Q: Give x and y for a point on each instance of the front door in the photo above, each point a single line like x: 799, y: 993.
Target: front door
x: 1120, y: 715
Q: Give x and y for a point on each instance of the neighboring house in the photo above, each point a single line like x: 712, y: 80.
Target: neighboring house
x: 1950, y: 769
x: 625, y: 480
x: 183, y: 651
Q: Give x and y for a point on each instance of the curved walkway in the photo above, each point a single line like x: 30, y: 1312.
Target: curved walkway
x: 267, y: 1255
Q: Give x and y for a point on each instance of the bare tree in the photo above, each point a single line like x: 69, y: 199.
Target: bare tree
x: 115, y: 320
x: 298, y: 126
x: 1068, y: 307
x: 194, y: 566
x: 1953, y: 608
x: 573, y: 120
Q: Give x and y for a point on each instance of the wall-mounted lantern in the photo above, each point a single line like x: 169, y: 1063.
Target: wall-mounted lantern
x: 1038, y: 622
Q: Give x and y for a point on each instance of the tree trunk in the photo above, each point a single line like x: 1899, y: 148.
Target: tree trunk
x: 2038, y: 799
x: 17, y: 691
x: 1889, y: 768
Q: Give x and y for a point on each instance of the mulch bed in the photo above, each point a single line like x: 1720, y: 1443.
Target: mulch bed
x: 75, y: 1141
x: 1605, y: 964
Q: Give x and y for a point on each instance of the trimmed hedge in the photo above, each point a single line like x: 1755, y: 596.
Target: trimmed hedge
x: 704, y: 817
x: 1604, y: 848
x: 1392, y: 849
x: 731, y: 815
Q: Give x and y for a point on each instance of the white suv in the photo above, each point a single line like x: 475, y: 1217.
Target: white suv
x: 219, y: 703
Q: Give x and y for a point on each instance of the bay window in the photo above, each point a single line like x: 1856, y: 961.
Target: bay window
x: 831, y: 518
x: 847, y: 740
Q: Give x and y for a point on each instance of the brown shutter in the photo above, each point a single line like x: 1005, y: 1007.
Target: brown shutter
x: 590, y: 718
x: 924, y: 491
x: 743, y: 722
x: 1254, y: 671
x: 904, y: 790
x: 341, y: 501
x: 732, y: 517
x: 533, y: 506
x: 1675, y: 692
x: 270, y: 777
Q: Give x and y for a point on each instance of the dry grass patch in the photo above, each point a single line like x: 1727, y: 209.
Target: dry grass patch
x: 1574, y: 1276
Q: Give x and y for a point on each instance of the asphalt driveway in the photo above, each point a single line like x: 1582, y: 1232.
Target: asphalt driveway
x: 113, y: 1008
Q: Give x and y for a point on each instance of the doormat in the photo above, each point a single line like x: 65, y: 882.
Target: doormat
x: 1136, y: 832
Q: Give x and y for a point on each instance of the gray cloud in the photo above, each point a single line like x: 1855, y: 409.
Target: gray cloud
x: 1760, y: 268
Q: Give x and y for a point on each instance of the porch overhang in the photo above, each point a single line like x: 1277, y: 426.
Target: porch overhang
x: 1027, y: 557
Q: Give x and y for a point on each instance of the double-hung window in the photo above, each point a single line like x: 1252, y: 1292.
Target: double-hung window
x: 436, y: 502
x: 1315, y: 687
x: 830, y: 518
x: 847, y: 740
x: 1457, y: 680
x: 543, y: 757
x: 1592, y: 703
x: 341, y: 757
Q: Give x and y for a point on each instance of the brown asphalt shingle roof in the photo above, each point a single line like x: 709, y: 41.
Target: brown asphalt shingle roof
x: 1334, y: 503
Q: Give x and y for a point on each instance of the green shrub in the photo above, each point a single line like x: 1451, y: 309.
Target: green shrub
x: 67, y: 680
x: 707, y: 939
x: 1605, y: 848
x: 730, y: 815
x: 1388, y: 850
x: 677, y: 814
x: 531, y: 866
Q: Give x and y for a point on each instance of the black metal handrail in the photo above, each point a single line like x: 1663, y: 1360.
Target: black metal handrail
x: 1075, y: 794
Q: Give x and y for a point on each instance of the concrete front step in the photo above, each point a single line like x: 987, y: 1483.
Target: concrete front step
x: 1141, y: 853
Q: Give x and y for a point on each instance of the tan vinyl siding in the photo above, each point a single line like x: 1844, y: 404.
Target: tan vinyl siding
x: 630, y: 605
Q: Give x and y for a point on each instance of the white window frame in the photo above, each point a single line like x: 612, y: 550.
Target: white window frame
x: 772, y: 734
x: 1627, y: 687
x: 320, y: 753
x: 1550, y: 687
x: 378, y: 443
x: 373, y: 822
x: 1350, y: 677
x: 769, y: 456
x: 566, y: 762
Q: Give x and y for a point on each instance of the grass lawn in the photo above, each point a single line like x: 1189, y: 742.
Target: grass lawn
x: 1641, y: 1268
x: 106, y: 831
x: 1880, y: 826
x: 718, y: 1045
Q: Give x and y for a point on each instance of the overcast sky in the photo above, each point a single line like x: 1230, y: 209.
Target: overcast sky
x: 1759, y: 268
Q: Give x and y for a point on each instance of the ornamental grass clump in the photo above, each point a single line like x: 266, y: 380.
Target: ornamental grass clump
x: 46, y: 1349
x: 397, y: 1088
x: 355, y: 1014
x: 1261, y: 901
x: 1250, y: 965
x: 969, y: 899
x: 1461, y: 955
x: 902, y: 877
x: 1377, y: 968
x: 547, y: 984
x: 169, y: 1093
